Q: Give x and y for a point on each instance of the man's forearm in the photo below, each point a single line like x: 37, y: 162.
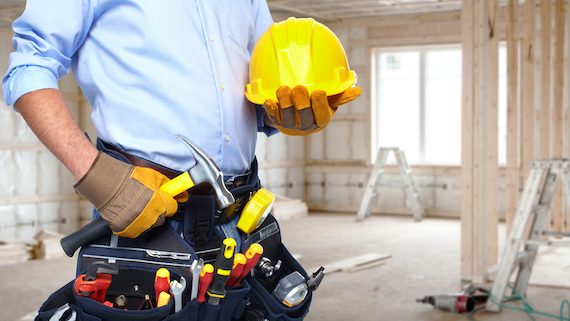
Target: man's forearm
x: 49, y: 117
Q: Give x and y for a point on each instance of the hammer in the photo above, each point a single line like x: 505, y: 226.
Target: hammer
x: 205, y: 171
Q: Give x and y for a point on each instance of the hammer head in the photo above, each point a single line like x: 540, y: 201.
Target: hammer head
x: 206, y: 170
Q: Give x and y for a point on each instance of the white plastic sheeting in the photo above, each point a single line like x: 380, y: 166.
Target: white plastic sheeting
x: 7, y: 183
x: 36, y: 191
x: 26, y: 173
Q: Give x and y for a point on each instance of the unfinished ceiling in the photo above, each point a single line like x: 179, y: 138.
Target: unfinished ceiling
x: 322, y: 10
x: 340, y: 10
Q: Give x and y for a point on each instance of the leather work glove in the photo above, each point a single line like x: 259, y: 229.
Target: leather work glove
x: 296, y: 113
x: 127, y: 197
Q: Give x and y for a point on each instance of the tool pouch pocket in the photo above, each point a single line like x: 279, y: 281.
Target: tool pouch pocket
x: 262, y: 299
x: 230, y: 308
x: 131, y: 282
x: 262, y: 304
x: 63, y: 298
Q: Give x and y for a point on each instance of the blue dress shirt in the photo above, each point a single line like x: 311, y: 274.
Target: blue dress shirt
x: 150, y: 69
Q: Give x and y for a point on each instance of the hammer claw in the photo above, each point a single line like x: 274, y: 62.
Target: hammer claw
x: 206, y: 170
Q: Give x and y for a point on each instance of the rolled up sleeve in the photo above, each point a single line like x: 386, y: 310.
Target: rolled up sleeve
x: 44, y: 45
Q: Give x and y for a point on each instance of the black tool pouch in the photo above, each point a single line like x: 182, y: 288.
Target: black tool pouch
x: 262, y: 304
x: 132, y: 282
x: 195, y: 232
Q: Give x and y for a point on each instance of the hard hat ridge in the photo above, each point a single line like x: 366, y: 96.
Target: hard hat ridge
x: 298, y: 51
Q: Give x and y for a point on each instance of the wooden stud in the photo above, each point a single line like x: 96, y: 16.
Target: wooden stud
x: 558, y: 109
x: 527, y: 90
x: 512, y: 170
x: 545, y: 31
x: 480, y: 136
x: 492, y: 157
x: 467, y: 25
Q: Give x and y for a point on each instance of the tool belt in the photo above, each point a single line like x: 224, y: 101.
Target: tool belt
x: 195, y: 232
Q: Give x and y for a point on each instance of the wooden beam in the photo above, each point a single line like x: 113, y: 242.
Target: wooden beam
x: 545, y: 33
x: 467, y: 26
x: 512, y: 170
x: 492, y: 156
x: 558, y: 109
x: 527, y: 90
x: 480, y: 216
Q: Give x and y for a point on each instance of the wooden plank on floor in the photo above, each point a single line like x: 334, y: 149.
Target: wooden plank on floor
x: 358, y: 262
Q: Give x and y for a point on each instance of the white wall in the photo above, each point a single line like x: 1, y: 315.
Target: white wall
x: 36, y: 191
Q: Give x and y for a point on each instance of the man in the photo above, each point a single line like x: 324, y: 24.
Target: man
x: 149, y: 69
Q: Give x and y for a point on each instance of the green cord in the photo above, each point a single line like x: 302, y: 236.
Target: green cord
x: 527, y: 308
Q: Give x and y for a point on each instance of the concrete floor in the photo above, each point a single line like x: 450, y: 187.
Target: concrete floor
x: 425, y: 260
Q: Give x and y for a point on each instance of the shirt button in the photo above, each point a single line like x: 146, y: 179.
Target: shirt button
x: 227, y: 138
x: 223, y: 86
x: 212, y: 38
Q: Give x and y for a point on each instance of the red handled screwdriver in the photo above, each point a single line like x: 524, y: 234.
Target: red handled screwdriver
x: 205, y: 280
x: 239, y: 263
x: 252, y: 255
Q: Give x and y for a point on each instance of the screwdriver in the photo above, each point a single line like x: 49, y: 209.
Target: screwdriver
x: 252, y: 255
x: 222, y: 271
x: 239, y: 263
x: 161, y: 282
x: 205, y: 280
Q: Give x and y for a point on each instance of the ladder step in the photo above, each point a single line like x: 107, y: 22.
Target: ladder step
x: 552, y: 233
x: 548, y: 243
x: 541, y: 209
x: 522, y: 256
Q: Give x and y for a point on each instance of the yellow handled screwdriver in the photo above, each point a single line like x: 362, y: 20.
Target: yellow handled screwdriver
x: 222, y: 271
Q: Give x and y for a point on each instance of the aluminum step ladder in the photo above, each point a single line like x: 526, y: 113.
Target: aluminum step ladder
x: 520, y: 251
x: 370, y: 194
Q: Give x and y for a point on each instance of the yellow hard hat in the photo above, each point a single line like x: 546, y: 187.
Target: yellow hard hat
x: 297, y: 51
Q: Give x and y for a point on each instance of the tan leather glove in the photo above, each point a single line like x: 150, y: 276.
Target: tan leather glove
x: 296, y: 113
x: 127, y: 197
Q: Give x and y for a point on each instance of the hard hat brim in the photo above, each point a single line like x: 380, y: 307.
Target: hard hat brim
x: 259, y: 97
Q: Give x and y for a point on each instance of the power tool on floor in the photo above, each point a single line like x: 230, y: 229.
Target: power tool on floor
x: 463, y: 301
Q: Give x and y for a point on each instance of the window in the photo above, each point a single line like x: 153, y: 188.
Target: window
x: 417, y: 103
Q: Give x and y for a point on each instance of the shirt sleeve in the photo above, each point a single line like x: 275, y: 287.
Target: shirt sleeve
x: 263, y: 20
x: 44, y: 45
x: 261, y: 125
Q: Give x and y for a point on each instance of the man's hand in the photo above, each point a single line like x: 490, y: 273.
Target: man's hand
x: 127, y: 197
x: 298, y: 113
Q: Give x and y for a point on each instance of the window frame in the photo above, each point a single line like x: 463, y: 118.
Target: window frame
x: 422, y: 51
